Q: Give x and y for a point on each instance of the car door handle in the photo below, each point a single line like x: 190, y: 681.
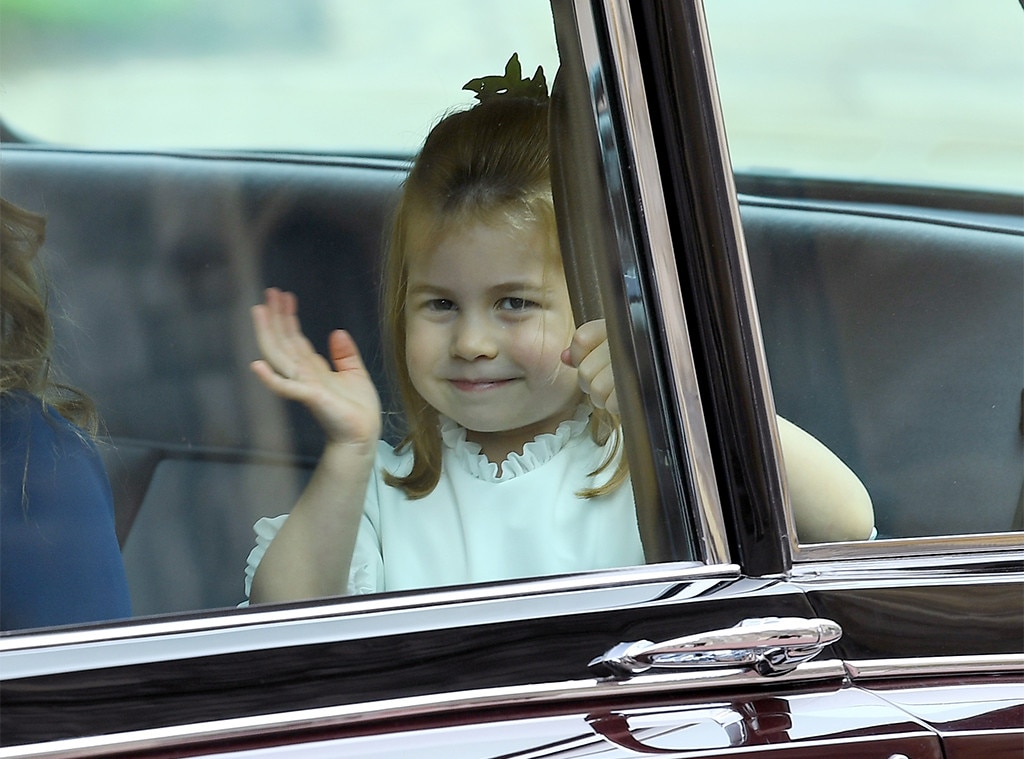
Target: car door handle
x: 768, y: 645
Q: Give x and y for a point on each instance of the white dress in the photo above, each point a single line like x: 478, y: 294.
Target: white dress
x: 479, y: 525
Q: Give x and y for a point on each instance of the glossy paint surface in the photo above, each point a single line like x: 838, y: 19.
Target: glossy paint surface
x: 796, y: 724
x: 975, y: 716
x: 900, y: 609
x: 844, y: 722
x: 355, y: 659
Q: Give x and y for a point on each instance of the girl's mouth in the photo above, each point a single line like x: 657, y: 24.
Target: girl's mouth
x: 478, y: 386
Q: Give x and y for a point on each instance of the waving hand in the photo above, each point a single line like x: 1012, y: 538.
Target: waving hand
x: 340, y: 394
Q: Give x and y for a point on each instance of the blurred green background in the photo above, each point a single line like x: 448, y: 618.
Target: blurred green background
x: 924, y: 91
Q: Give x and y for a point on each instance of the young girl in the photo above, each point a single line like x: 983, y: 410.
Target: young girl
x: 511, y: 465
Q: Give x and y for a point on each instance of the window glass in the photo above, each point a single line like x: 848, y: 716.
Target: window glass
x: 893, y: 317
x: 155, y: 262
x: 312, y: 75
x: 911, y: 91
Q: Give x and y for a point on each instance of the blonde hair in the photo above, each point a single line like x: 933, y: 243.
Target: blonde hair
x: 489, y: 161
x: 27, y: 334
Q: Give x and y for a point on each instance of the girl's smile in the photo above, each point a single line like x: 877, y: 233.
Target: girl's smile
x: 476, y: 386
x: 487, y: 318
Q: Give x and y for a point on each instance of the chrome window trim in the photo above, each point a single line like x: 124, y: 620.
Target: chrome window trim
x: 405, y: 708
x: 720, y: 255
x: 912, y: 570
x: 978, y: 543
x: 45, y: 751
x: 639, y: 140
x: 936, y: 666
x: 143, y: 641
x: 771, y: 447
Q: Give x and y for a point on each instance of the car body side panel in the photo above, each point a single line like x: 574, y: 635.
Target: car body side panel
x: 365, y: 657
x: 974, y: 716
x: 888, y: 617
x: 789, y: 722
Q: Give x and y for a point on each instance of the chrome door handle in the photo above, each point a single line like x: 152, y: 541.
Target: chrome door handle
x: 769, y: 645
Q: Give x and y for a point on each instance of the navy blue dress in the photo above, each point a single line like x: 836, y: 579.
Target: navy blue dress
x: 59, y: 559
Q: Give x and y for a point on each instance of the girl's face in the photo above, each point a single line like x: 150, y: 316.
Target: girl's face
x: 487, y: 319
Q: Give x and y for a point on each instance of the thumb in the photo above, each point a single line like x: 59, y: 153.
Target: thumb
x: 344, y: 352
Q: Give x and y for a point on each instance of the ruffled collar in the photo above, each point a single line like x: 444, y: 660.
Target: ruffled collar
x: 537, y: 452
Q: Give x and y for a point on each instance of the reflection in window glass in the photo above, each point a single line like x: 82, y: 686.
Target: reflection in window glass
x: 318, y: 75
x: 913, y: 91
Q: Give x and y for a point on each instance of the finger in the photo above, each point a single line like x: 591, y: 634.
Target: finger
x: 295, y: 340
x: 279, y: 335
x: 601, y: 389
x: 593, y: 364
x: 344, y: 352
x: 282, y: 309
x: 266, y: 335
x: 272, y: 311
x: 269, y: 340
x: 586, y: 338
x: 288, y: 315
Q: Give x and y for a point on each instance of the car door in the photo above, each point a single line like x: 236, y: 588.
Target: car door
x: 948, y: 538
x: 503, y: 668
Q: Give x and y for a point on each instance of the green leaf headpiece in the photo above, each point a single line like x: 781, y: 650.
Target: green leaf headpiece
x: 512, y: 83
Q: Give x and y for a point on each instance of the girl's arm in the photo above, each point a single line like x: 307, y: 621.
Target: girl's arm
x: 829, y: 501
x: 311, y: 554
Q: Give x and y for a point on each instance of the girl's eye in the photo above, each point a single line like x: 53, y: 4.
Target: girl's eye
x: 440, y: 304
x: 515, y: 304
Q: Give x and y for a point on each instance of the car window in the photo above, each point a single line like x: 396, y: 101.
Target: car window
x: 889, y: 295
x: 885, y: 361
x: 156, y: 256
x: 913, y: 91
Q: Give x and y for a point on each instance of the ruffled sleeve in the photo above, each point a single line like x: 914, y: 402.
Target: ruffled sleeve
x: 266, y: 530
x: 366, y: 573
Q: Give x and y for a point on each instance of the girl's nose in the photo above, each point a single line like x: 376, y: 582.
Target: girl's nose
x: 473, y: 338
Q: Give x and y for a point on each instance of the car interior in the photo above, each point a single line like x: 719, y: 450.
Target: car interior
x: 892, y: 321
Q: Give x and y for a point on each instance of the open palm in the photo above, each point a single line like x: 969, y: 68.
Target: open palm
x: 340, y: 393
